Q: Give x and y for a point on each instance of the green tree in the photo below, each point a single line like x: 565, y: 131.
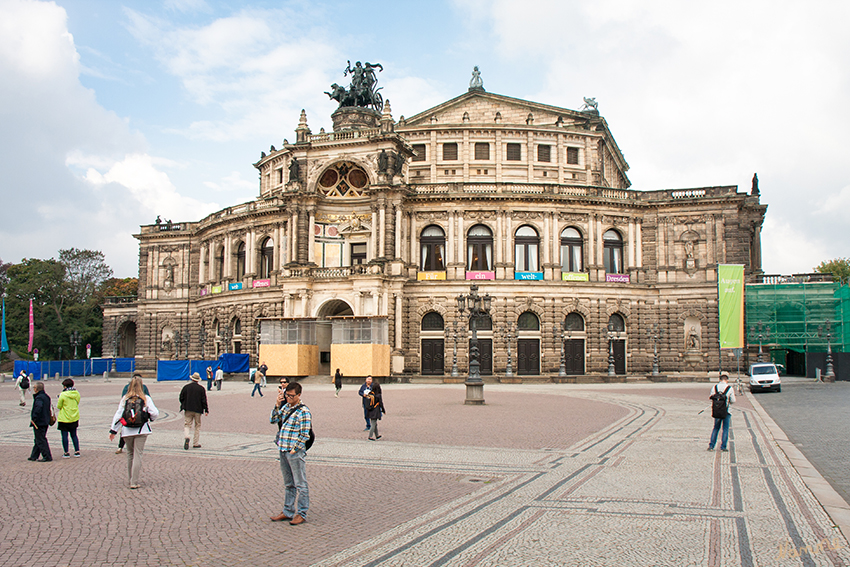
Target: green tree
x: 85, y: 272
x: 839, y: 268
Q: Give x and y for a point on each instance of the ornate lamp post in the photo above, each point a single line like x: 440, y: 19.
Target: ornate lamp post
x: 75, y: 341
x: 454, y: 349
x: 186, y: 341
x: 115, y: 338
x: 655, y: 333
x: 565, y: 332
x: 612, y: 334
x: 826, y: 331
x: 476, y: 308
x: 202, y: 340
x: 761, y: 332
x: 509, y: 337
x: 226, y: 337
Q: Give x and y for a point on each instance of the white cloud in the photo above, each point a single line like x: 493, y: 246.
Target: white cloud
x: 232, y: 182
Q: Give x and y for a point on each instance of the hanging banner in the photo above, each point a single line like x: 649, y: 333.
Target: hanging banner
x: 32, y: 329
x: 730, y: 304
x: 4, y: 345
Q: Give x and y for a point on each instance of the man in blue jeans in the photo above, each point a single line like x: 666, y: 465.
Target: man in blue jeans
x: 291, y: 440
x: 364, y: 392
x: 722, y: 388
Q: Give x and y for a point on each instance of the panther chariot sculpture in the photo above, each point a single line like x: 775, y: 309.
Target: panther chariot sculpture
x: 363, y: 90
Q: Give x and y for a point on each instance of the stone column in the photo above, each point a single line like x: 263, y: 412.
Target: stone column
x: 450, y: 242
x: 373, y: 245
x: 414, y: 241
x: 397, y: 251
x: 398, y: 321
x: 639, y: 245
x: 382, y: 225
x: 201, y: 265
x: 311, y: 237
x: 461, y: 243
x: 294, y: 232
x: 631, y: 243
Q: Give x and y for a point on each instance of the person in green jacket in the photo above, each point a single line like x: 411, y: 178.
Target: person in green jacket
x: 69, y: 416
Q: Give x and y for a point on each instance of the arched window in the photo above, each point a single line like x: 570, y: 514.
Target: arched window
x: 217, y: 328
x: 613, y: 252
x: 219, y: 264
x: 266, y: 258
x: 484, y: 323
x: 433, y: 242
x: 432, y: 321
x: 526, y: 246
x: 237, y: 327
x: 528, y: 321
x: 574, y: 322
x: 479, y: 249
x: 572, y: 258
x: 616, y: 323
x: 240, y: 261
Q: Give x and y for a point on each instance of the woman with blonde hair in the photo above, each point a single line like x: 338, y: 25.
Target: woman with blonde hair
x: 135, y: 412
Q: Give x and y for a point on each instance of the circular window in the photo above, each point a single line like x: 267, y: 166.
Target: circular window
x: 357, y: 178
x: 332, y: 231
x: 329, y: 178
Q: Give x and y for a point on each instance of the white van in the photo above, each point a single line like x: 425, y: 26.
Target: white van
x: 764, y: 376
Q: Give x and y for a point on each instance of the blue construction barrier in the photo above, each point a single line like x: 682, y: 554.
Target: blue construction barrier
x: 183, y: 369
x: 85, y: 367
x: 234, y: 363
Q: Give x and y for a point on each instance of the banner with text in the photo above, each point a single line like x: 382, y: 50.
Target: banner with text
x: 730, y: 304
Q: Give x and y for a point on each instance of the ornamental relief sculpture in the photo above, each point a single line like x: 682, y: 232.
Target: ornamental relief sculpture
x: 440, y: 215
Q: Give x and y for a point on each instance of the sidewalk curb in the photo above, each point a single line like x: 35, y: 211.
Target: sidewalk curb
x: 836, y: 507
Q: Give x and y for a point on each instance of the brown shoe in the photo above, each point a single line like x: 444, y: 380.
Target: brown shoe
x: 280, y: 517
x: 298, y: 519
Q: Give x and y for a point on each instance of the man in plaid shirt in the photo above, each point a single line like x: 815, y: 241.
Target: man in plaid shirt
x: 291, y: 439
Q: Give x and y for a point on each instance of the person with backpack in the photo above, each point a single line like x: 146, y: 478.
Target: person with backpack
x: 135, y: 412
x: 376, y: 408
x: 22, y: 384
x: 210, y: 378
x: 124, y: 393
x: 293, y: 440
x: 40, y: 421
x: 69, y: 417
x: 258, y: 380
x: 722, y: 396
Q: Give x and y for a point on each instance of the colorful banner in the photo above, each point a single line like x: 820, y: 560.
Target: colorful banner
x: 32, y: 329
x: 234, y: 286
x: 262, y: 283
x: 528, y: 275
x: 430, y: 276
x: 575, y: 276
x: 730, y: 304
x: 617, y: 278
x: 481, y: 275
x: 4, y: 345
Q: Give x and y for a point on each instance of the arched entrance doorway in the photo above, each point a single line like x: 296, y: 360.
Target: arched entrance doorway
x: 333, y: 308
x: 127, y: 344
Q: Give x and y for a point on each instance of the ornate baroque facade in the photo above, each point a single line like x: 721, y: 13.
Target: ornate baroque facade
x: 393, y: 220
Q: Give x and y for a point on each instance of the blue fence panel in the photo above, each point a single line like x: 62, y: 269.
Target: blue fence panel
x: 200, y: 366
x: 232, y: 363
x: 125, y: 364
x: 172, y: 370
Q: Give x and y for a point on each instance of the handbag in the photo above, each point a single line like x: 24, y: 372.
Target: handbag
x: 52, y: 415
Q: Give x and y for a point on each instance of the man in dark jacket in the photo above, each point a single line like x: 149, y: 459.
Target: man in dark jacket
x: 193, y: 402
x: 40, y: 421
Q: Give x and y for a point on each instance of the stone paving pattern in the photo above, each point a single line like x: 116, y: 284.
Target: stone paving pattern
x: 541, y: 475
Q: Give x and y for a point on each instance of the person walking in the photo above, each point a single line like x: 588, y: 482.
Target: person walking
x: 22, y: 384
x: 219, y: 377
x: 364, y: 391
x: 258, y: 383
x: 292, y: 440
x: 193, y: 403
x: 722, y: 396
x: 68, y: 405
x: 376, y: 408
x: 124, y: 393
x: 209, y: 378
x: 265, y: 370
x: 135, y: 412
x: 337, y: 382
x: 40, y: 421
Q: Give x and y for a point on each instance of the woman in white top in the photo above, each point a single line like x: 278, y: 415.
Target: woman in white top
x: 134, y: 437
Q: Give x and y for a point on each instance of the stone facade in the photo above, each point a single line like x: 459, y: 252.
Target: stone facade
x: 396, y: 219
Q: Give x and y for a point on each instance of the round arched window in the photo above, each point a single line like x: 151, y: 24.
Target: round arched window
x: 432, y: 321
x: 528, y: 321
x: 344, y: 179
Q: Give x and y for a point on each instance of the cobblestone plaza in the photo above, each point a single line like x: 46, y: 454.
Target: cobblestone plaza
x: 541, y: 475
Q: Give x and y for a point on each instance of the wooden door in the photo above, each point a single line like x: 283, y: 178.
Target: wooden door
x: 528, y: 357
x: 574, y: 356
x: 432, y: 356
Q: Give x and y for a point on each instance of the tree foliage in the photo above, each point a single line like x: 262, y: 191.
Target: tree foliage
x: 118, y: 287
x: 839, y: 268
x: 66, y: 295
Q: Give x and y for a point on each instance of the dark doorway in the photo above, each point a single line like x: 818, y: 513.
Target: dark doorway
x: 620, y: 356
x: 574, y: 356
x: 528, y: 357
x: 432, y: 357
x: 485, y: 356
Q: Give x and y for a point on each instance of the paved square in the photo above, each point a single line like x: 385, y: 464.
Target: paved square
x: 541, y: 475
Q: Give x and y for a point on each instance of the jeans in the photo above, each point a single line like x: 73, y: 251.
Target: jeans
x: 135, y: 448
x: 257, y: 389
x: 74, y: 438
x: 366, y: 416
x: 209, y: 384
x: 717, y: 423
x: 294, y: 470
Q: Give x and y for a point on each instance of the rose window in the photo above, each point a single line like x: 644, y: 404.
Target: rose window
x: 344, y: 180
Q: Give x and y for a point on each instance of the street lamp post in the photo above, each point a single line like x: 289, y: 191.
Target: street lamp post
x: 75, y: 341
x: 476, y: 307
x: 115, y: 346
x: 612, y: 334
x: 562, y: 370
x: 226, y: 336
x: 202, y: 340
x: 454, y: 349
x: 761, y: 332
x: 655, y: 334
x: 826, y: 331
x: 509, y: 369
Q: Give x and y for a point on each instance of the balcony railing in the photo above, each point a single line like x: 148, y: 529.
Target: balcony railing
x: 332, y: 273
x: 116, y: 299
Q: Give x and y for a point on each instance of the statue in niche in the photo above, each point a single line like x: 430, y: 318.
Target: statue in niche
x: 690, y: 260
x: 398, y: 163
x: 294, y: 169
x: 383, y: 162
x: 692, y: 342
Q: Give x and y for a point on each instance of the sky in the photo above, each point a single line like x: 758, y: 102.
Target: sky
x: 112, y: 112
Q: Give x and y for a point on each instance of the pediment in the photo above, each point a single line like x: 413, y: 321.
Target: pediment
x: 478, y: 107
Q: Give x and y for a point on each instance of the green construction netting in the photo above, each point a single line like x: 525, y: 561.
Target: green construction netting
x: 794, y: 316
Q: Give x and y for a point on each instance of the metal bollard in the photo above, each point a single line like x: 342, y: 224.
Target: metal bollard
x: 106, y: 375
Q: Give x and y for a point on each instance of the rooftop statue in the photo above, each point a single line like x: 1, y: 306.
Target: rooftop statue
x: 362, y: 91
x: 590, y: 105
x: 476, y: 82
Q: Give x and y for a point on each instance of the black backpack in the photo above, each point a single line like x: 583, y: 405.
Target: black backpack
x: 134, y: 412
x: 25, y: 383
x: 719, y: 403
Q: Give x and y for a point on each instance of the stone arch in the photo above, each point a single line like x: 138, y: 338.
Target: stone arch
x: 367, y: 166
x: 334, y: 307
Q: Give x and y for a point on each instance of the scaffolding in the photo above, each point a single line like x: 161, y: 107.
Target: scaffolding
x: 792, y: 318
